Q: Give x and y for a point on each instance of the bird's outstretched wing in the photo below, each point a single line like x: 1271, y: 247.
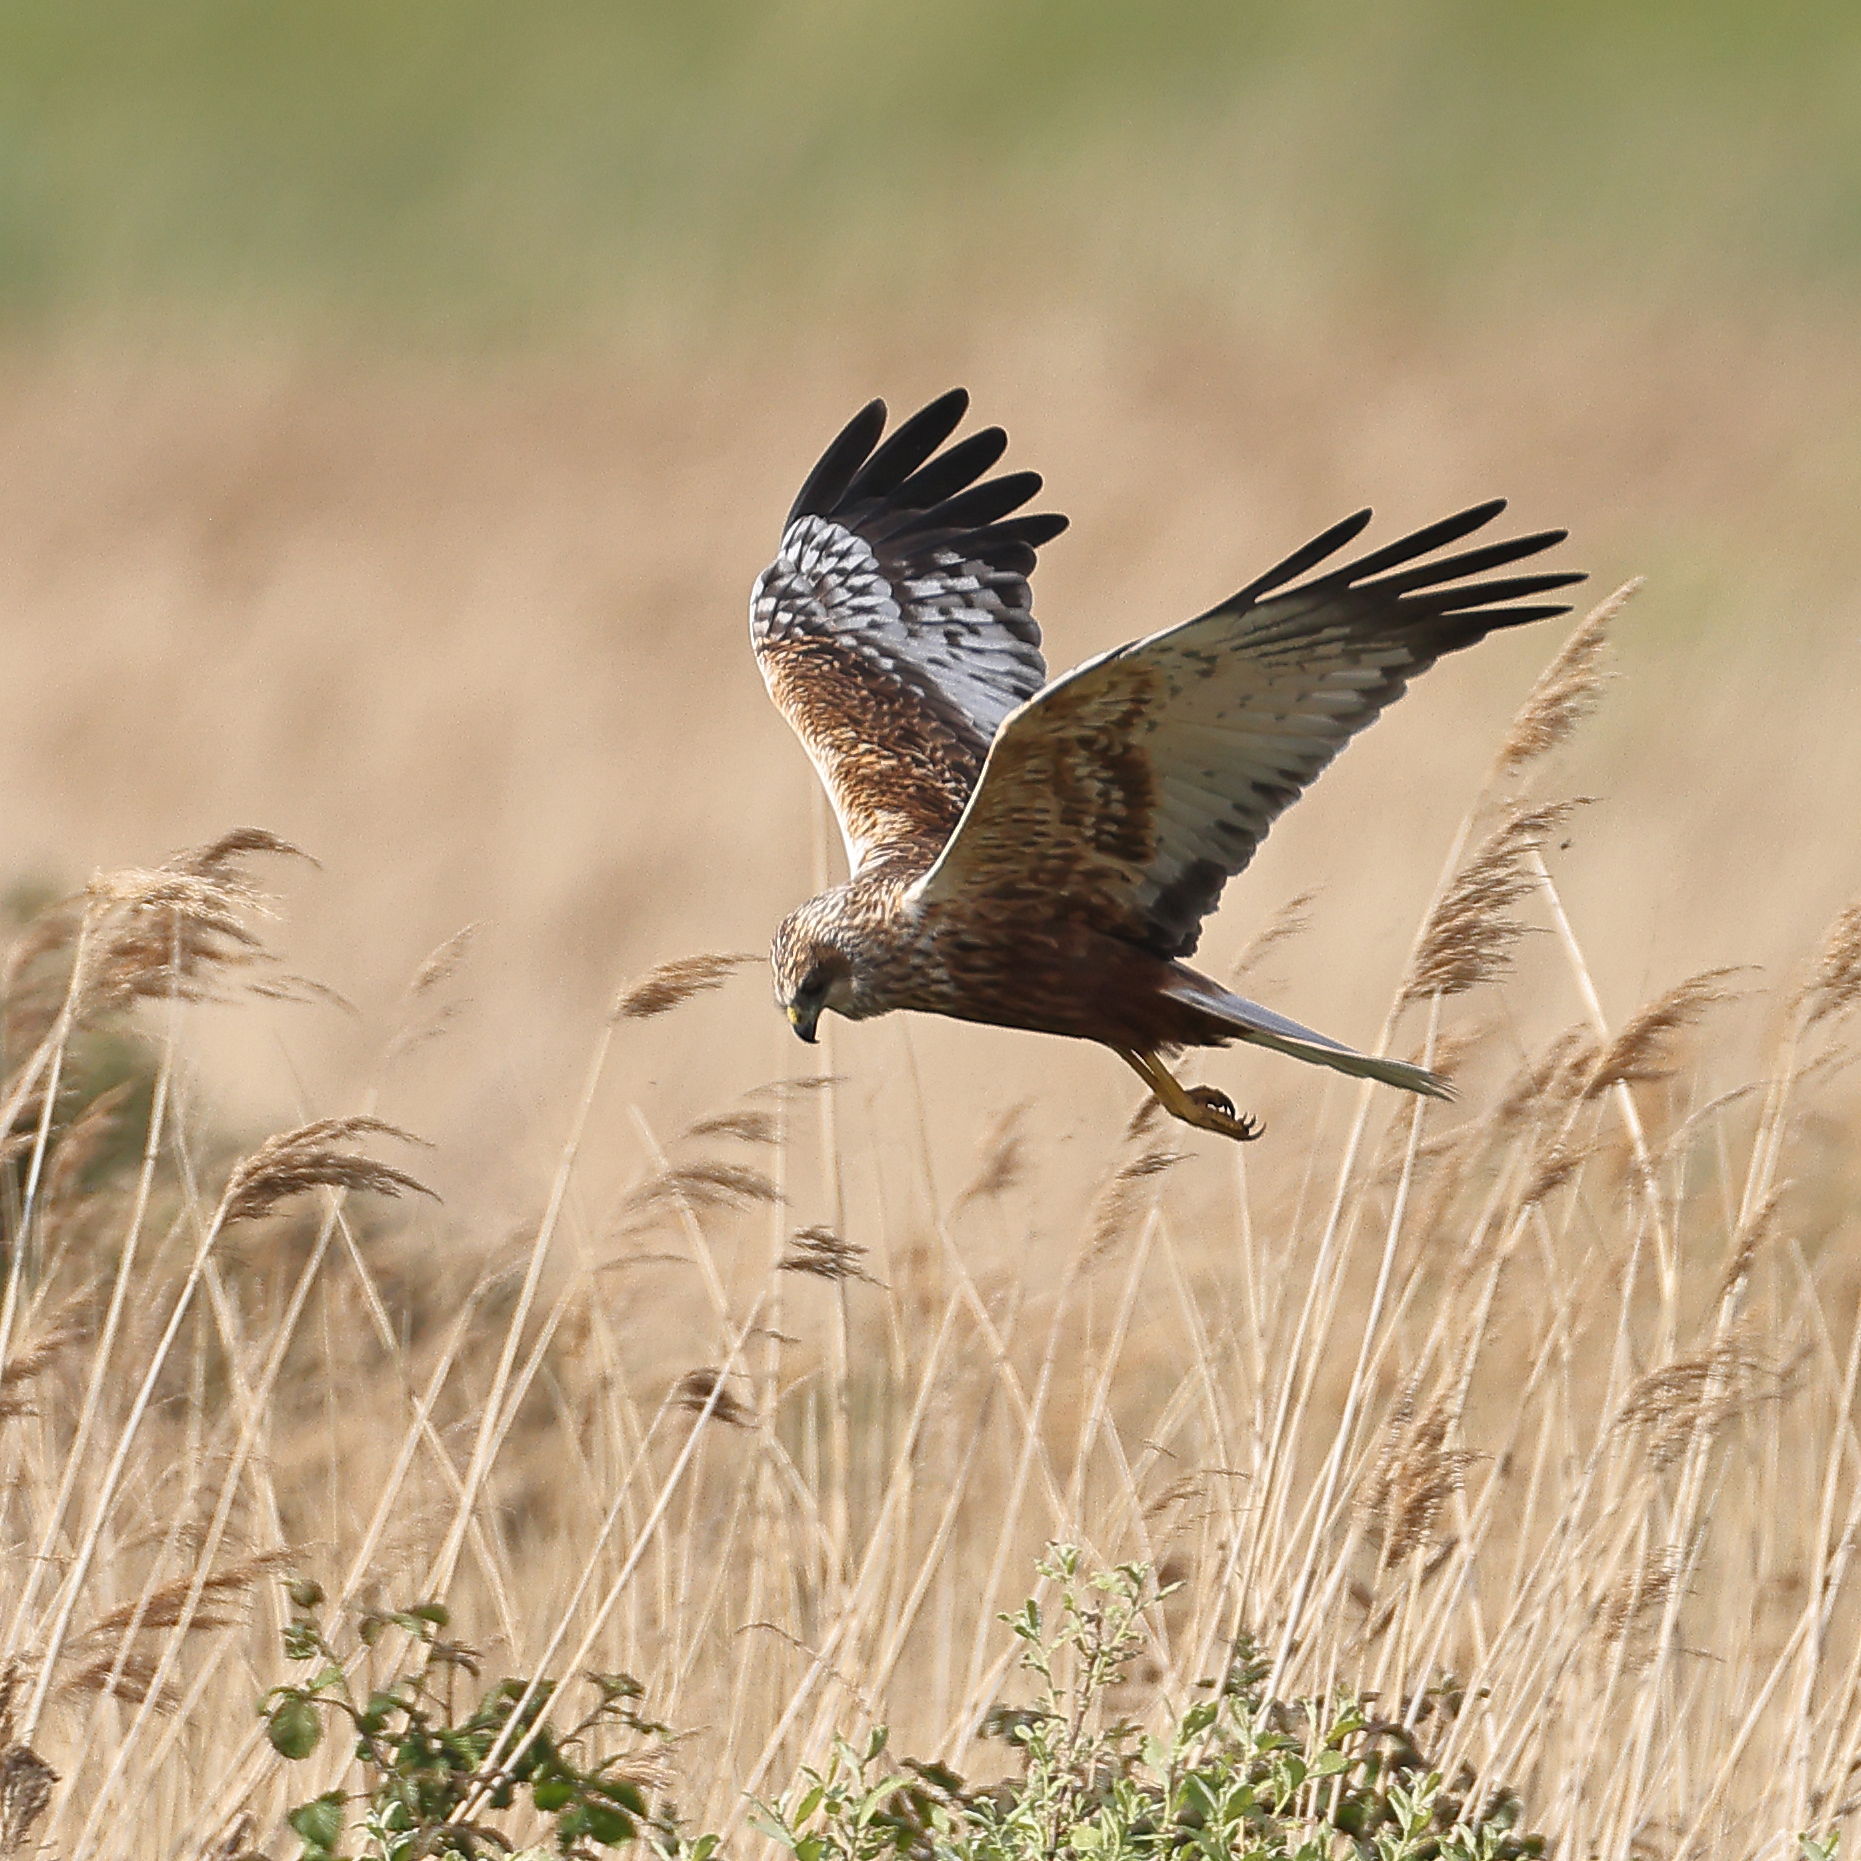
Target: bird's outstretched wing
x: 1131, y: 791
x: 894, y: 628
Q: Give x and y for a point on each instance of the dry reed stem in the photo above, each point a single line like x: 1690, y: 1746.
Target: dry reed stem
x: 643, y: 1540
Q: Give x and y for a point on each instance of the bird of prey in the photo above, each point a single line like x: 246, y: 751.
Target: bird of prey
x: 1041, y: 854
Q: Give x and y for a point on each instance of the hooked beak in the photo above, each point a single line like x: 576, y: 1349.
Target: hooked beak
x: 803, y: 1018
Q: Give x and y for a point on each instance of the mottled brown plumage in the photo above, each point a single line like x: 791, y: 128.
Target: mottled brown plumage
x: 1041, y: 855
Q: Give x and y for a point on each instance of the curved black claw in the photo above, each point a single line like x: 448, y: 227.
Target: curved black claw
x: 1232, y: 1124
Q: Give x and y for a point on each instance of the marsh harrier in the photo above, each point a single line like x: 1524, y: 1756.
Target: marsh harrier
x: 1042, y: 854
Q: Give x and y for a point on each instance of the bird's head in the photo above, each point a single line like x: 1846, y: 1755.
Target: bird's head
x: 813, y: 968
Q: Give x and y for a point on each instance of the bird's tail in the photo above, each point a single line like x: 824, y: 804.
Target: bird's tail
x: 1263, y: 1028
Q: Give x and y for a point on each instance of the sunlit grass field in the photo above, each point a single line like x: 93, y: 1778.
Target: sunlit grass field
x: 1531, y: 1418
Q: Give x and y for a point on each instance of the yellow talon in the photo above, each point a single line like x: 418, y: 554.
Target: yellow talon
x: 1201, y: 1106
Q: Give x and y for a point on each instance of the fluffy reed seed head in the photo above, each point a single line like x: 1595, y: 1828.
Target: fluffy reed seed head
x: 1548, y: 1082
x: 82, y: 1141
x: 1750, y: 1239
x: 1554, y: 1160
x: 111, y: 1659
x: 315, y: 1156
x: 823, y: 1254
x: 744, y: 1125
x: 1415, y: 1475
x: 1568, y: 689
x: 1694, y: 1397
x: 72, y: 1324
x: 1003, y: 1162
x: 26, y: 1780
x: 34, y: 976
x: 1469, y: 936
x: 705, y: 1393
x: 181, y: 927
x: 1833, y: 985
x: 1643, y: 1051
x: 1629, y: 1603
x: 1286, y: 923
x: 663, y: 988
x: 708, y: 1183
x: 443, y: 963
x: 426, y: 1018
x: 1124, y: 1198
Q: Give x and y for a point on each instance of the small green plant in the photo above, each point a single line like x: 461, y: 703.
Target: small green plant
x: 1237, y: 1774
x: 439, y: 1752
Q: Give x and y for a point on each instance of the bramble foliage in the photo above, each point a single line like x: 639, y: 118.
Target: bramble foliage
x: 433, y: 1762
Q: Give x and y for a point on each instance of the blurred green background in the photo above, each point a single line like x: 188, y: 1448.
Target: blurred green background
x: 474, y: 171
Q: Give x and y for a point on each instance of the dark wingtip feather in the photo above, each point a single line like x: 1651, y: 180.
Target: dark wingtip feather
x: 914, y: 442
x: 1034, y: 529
x: 1476, y: 623
x: 1012, y: 543
x: 945, y: 475
x: 983, y: 504
x: 1458, y: 568
x: 1306, y: 556
x: 1420, y: 542
x: 833, y: 471
x: 901, y: 491
x: 1507, y: 588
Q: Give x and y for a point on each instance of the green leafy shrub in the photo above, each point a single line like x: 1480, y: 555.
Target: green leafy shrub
x: 436, y: 1756
x: 1237, y: 1775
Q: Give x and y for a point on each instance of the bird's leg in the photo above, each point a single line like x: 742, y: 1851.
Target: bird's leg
x: 1201, y: 1106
